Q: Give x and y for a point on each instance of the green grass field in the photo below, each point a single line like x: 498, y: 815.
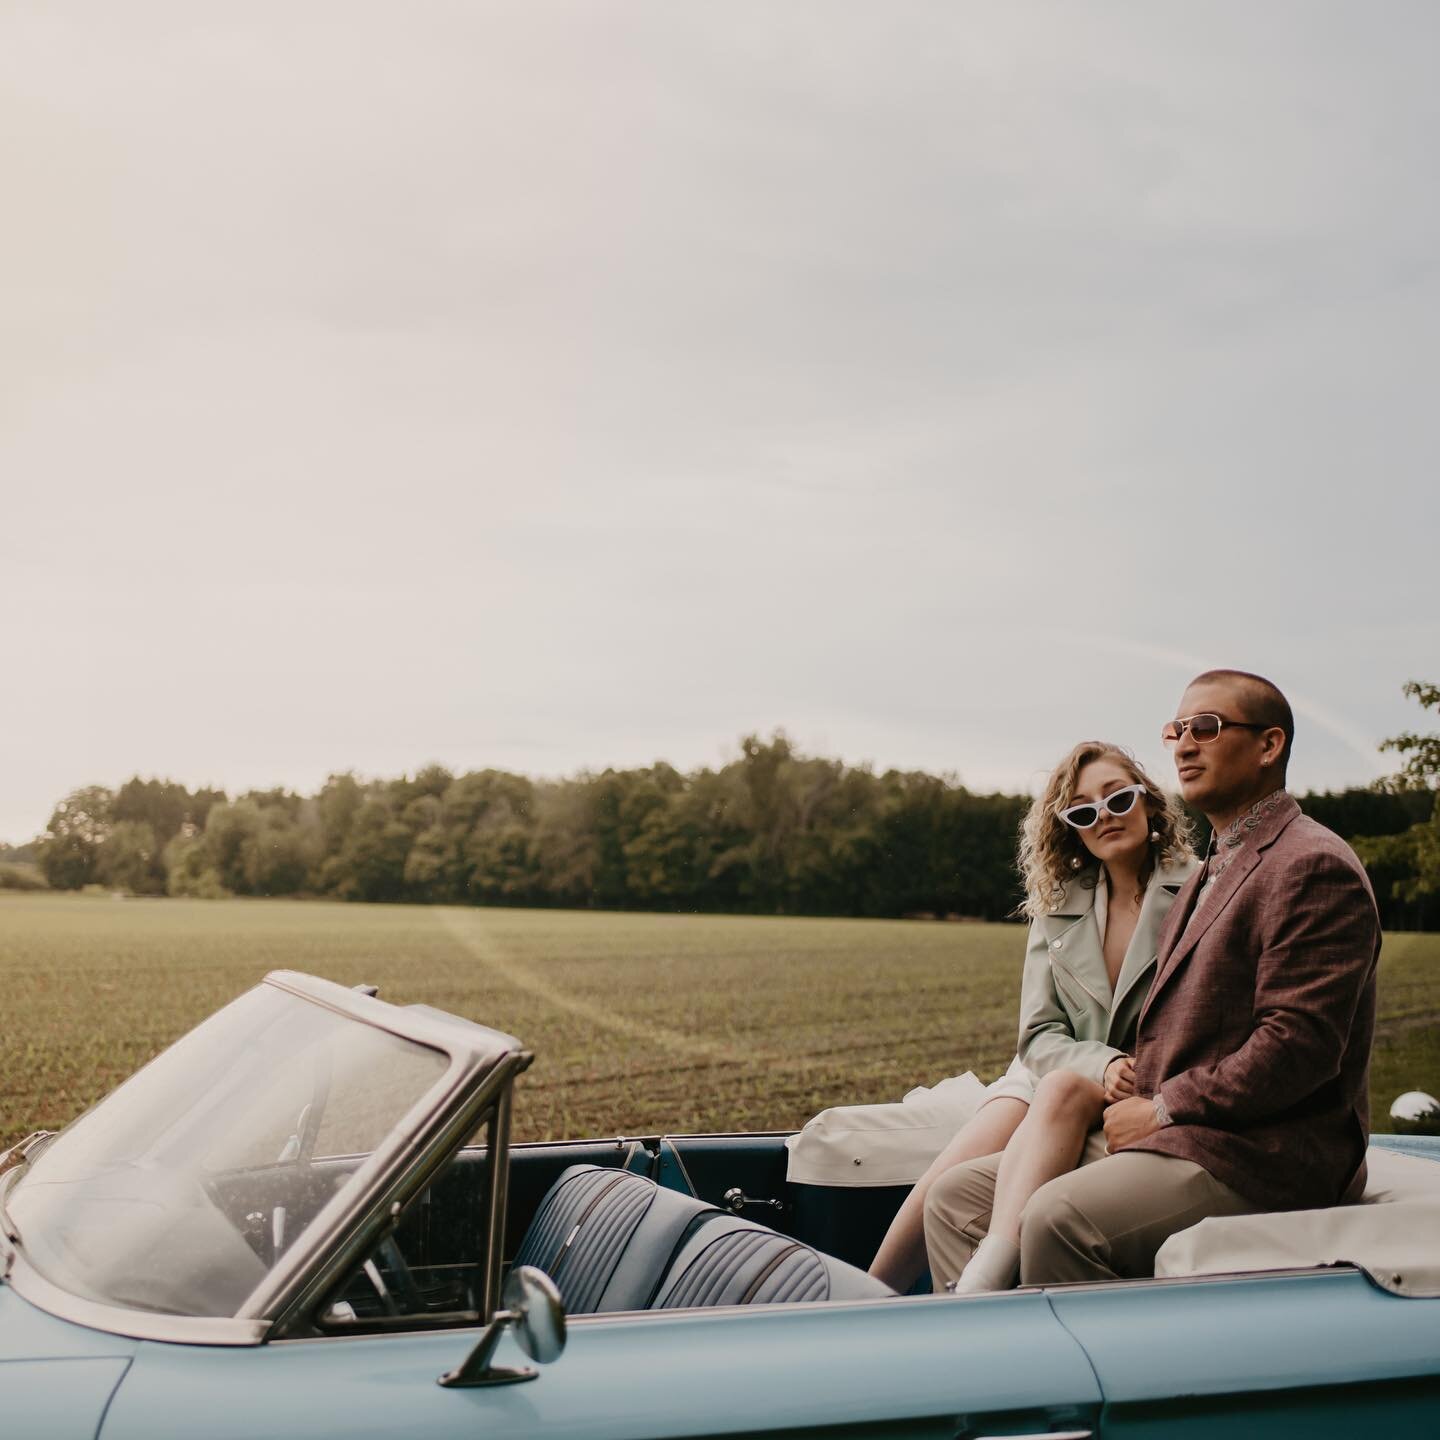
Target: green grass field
x: 639, y: 1023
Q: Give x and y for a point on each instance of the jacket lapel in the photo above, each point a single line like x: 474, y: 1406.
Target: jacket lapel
x: 1073, y: 938
x: 1149, y: 929
x: 1203, y: 912
x: 1179, y: 916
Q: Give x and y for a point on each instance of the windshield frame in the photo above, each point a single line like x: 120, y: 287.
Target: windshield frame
x: 482, y: 1063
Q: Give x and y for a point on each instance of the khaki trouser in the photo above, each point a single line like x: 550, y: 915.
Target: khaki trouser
x: 1101, y: 1221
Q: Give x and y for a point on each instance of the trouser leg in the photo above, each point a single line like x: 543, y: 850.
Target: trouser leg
x: 1108, y: 1219
x: 957, y: 1216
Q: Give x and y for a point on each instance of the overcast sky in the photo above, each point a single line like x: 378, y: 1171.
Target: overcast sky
x: 550, y: 386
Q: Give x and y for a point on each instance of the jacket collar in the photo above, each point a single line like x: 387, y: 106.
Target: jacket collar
x: 1077, y: 946
x: 1193, y: 916
x: 1079, y: 896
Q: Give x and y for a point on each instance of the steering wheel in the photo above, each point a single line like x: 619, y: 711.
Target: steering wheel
x: 395, y: 1276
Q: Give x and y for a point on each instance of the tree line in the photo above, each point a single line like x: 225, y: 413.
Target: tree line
x: 773, y: 832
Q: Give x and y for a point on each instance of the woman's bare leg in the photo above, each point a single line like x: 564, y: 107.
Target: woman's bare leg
x: 901, y: 1256
x: 1049, y: 1142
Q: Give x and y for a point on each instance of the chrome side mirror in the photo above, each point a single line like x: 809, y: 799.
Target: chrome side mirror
x: 533, y: 1308
x: 1416, y: 1113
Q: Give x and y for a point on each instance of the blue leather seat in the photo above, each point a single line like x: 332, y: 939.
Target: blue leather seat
x: 606, y: 1237
x: 612, y: 1240
x: 730, y: 1261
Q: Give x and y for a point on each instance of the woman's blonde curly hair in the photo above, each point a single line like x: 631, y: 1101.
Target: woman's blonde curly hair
x: 1049, y: 847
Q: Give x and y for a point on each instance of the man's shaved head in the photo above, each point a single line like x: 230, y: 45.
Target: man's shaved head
x: 1261, y: 703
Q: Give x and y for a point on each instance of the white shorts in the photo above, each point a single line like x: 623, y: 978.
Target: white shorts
x: 1017, y: 1083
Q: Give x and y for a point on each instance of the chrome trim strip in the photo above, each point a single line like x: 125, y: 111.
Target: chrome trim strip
x: 700, y: 1312
x: 30, y: 1284
x: 499, y: 1177
x: 689, y: 1135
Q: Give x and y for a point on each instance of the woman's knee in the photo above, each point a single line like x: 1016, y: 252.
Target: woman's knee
x: 1063, y: 1093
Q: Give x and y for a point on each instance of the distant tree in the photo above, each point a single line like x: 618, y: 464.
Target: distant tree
x: 339, y: 801
x: 265, y: 843
x: 161, y: 804
x: 371, y: 863
x: 773, y: 831
x: 188, y: 871
x: 72, y: 840
x: 666, y: 845
x: 1414, y: 852
x: 162, y: 808
x: 21, y: 875
x: 129, y: 859
x: 564, y: 845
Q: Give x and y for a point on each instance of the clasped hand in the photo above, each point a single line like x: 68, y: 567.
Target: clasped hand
x: 1127, y: 1121
x: 1128, y: 1117
x: 1119, y: 1079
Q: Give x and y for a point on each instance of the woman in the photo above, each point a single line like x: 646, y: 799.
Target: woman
x: 1103, y: 853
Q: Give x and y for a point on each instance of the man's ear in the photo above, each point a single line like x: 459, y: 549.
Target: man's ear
x: 1272, y: 746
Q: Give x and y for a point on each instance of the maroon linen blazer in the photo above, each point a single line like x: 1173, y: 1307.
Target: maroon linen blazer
x: 1258, y: 1025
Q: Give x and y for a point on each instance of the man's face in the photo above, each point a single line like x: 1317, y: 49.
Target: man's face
x: 1227, y: 769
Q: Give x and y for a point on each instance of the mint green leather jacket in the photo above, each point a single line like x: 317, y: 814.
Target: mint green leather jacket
x: 1069, y: 1017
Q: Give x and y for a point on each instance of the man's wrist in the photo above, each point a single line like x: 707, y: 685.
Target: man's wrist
x: 1162, y: 1113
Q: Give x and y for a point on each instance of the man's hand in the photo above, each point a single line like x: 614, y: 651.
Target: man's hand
x: 1127, y: 1121
x: 1119, y: 1079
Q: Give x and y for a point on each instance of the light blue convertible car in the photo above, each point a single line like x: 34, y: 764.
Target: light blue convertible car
x: 306, y: 1219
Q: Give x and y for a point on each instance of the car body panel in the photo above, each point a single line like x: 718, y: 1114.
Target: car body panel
x: 1318, y: 1353
x: 57, y: 1399
x: 921, y: 1367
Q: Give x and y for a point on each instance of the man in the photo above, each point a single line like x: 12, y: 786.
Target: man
x: 1253, y: 1050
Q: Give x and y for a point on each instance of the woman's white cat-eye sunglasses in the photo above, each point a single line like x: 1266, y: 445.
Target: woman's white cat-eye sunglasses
x: 1117, y: 802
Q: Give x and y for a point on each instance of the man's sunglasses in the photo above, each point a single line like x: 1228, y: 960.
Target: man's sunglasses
x: 1117, y: 802
x: 1203, y: 728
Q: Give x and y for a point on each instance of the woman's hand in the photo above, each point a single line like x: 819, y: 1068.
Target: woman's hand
x: 1119, y: 1079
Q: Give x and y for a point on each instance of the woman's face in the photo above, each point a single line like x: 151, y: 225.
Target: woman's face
x: 1112, y: 837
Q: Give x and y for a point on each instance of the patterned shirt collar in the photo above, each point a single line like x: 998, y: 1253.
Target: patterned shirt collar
x: 1226, y: 844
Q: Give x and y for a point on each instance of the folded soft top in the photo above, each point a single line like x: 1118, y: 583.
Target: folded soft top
x: 1393, y: 1234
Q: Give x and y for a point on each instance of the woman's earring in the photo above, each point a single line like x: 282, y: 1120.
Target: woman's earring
x: 1154, y: 837
x: 1074, y: 862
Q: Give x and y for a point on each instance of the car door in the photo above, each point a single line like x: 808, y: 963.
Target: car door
x: 1315, y: 1353
x: 942, y: 1367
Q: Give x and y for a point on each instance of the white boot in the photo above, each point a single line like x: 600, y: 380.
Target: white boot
x: 995, y: 1265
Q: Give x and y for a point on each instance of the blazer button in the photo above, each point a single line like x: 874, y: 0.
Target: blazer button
x: 1057, y: 944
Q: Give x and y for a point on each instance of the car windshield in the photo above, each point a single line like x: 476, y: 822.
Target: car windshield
x: 180, y: 1191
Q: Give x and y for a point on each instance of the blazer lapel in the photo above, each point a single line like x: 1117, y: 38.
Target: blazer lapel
x: 1204, y: 910
x: 1207, y: 907
x: 1149, y: 930
x: 1179, y: 916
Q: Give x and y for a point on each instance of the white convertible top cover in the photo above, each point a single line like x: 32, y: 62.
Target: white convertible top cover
x: 883, y: 1144
x: 1393, y: 1234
